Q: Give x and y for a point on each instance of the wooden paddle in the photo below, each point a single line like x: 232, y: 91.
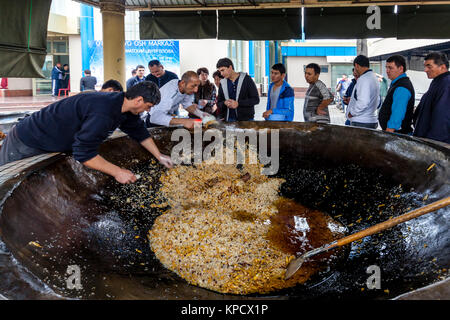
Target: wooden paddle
x: 295, y: 264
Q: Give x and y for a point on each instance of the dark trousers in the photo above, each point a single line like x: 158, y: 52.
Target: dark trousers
x: 363, y: 125
x: 14, y: 149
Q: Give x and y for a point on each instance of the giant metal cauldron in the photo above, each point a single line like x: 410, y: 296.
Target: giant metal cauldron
x: 360, y: 177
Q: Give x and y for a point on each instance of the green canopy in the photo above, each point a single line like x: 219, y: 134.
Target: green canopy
x: 24, y: 37
x: 267, y: 24
x: 348, y: 23
x: 233, y: 24
x: 424, y: 22
x: 177, y: 25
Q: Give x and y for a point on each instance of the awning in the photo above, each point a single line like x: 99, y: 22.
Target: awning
x: 23, y: 24
x: 410, y: 22
x: 177, y: 25
x: 348, y: 23
x: 269, y: 24
x: 424, y: 22
x: 233, y: 24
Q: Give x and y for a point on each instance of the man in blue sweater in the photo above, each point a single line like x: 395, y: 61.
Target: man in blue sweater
x: 280, y: 102
x: 396, y: 113
x: 432, y: 115
x: 79, y: 124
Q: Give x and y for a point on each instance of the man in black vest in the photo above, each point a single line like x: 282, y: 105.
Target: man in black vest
x: 396, y: 113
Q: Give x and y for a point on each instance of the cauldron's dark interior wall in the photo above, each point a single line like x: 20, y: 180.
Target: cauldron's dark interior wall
x: 360, y: 177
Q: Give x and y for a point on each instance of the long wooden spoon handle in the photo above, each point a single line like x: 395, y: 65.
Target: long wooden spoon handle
x: 393, y: 222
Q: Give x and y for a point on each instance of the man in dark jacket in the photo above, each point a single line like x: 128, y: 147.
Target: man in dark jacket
x: 88, y: 82
x: 237, y: 93
x: 79, y: 124
x: 432, y: 115
x: 396, y: 113
x: 140, y: 76
x: 57, y: 76
x: 158, y: 75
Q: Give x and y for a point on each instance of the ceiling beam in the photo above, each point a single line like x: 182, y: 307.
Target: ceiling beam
x: 251, y: 4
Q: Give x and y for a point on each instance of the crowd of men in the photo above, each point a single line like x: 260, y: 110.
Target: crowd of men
x: 80, y: 123
x: 394, y: 111
x: 60, y: 78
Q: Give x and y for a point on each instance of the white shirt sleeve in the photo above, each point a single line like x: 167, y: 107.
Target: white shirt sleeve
x: 187, y: 101
x: 160, y: 114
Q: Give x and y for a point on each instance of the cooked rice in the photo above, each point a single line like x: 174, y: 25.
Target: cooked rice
x: 215, y: 234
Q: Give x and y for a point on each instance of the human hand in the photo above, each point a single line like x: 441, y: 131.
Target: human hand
x: 165, y: 161
x: 321, y: 112
x: 191, y: 123
x: 267, y: 114
x: 233, y: 104
x: 125, y: 176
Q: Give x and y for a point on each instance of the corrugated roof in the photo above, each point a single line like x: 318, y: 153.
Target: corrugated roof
x: 146, y: 4
x: 177, y: 5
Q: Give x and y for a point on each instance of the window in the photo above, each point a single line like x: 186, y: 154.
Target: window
x: 258, y: 65
x: 236, y: 54
x: 60, y: 47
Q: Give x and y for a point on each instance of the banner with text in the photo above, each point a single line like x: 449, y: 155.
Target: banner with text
x: 138, y: 52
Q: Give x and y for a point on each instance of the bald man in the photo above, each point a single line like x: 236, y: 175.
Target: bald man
x: 174, y: 93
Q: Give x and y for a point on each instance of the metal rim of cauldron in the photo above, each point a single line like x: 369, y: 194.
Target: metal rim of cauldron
x: 11, y: 183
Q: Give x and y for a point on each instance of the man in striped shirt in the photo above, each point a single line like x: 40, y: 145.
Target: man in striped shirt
x: 317, y: 98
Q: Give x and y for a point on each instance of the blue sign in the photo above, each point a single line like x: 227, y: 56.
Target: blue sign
x: 138, y: 52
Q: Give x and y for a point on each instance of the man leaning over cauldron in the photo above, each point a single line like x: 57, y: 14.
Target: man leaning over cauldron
x: 174, y: 93
x: 79, y: 124
x: 432, y: 115
x: 396, y: 113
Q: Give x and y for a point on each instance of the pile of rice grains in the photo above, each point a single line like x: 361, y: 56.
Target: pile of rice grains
x: 227, y: 229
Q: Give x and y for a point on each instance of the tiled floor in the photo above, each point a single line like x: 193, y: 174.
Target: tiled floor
x: 26, y: 103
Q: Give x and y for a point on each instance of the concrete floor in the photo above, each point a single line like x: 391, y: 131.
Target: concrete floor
x: 336, y: 116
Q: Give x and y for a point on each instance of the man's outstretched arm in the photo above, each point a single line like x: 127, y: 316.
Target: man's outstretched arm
x: 102, y: 165
x: 151, y: 147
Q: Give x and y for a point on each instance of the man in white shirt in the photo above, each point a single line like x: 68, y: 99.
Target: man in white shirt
x: 174, y: 93
x: 362, y: 109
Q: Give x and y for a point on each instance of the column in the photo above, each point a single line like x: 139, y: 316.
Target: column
x: 86, y: 33
x: 113, y: 18
x: 251, y: 59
